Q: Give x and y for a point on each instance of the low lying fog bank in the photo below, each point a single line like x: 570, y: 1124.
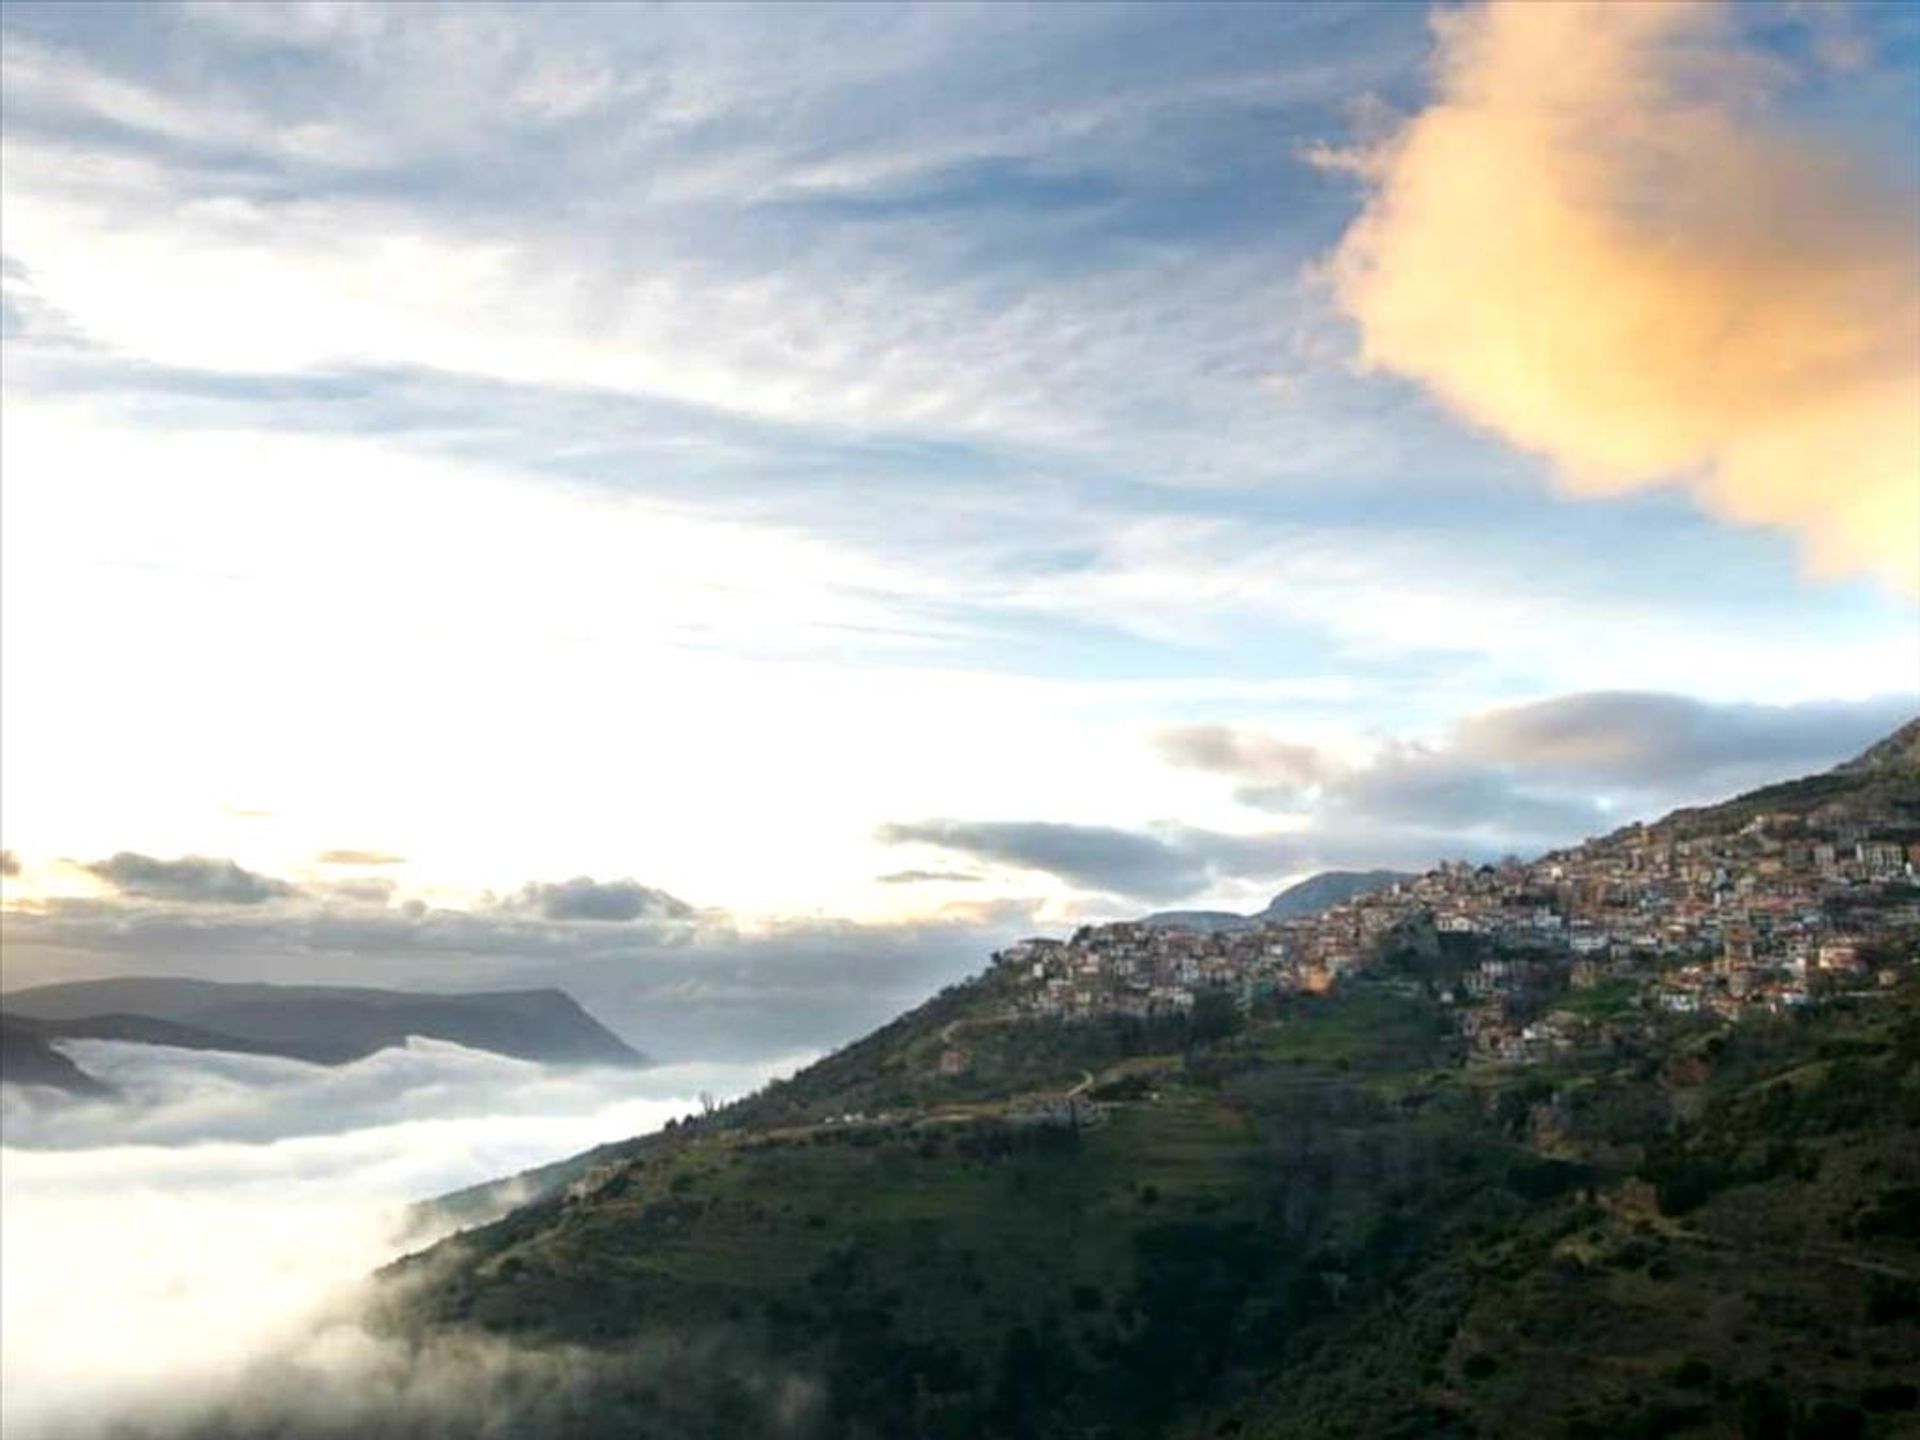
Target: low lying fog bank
x: 226, y: 1209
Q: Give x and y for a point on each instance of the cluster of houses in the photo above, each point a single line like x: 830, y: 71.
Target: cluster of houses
x: 1777, y: 913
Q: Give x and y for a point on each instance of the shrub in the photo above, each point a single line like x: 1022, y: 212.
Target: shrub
x: 1692, y: 1373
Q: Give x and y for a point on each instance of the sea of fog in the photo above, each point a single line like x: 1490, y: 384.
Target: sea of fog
x: 226, y: 1207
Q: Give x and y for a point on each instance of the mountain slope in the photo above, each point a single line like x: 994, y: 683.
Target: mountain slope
x: 329, y: 1024
x: 1329, y: 888
x: 1899, y: 751
x: 1882, y: 781
x: 27, y: 1059
x: 1205, y: 921
x: 1316, y: 1227
x: 1305, y: 897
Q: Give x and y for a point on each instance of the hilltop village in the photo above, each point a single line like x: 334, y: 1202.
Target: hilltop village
x: 1779, y: 912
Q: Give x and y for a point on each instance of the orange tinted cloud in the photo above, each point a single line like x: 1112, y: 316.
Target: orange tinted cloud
x: 1599, y: 241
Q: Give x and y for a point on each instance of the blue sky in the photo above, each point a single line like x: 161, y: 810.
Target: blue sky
x: 727, y: 446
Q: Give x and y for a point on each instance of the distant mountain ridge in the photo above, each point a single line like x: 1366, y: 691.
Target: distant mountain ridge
x: 329, y: 1025
x: 1306, y: 897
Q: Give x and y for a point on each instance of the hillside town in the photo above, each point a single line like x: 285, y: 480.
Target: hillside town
x: 1776, y: 912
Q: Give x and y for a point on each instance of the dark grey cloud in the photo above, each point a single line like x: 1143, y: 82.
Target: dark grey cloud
x: 1092, y: 857
x: 193, y: 879
x: 1406, y: 789
x: 1112, y: 866
x: 609, y: 902
x: 1536, y: 775
x: 359, y: 857
x: 1434, y: 790
x: 1644, y: 739
x: 928, y: 877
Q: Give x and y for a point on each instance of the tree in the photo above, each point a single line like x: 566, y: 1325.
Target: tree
x: 1214, y: 1017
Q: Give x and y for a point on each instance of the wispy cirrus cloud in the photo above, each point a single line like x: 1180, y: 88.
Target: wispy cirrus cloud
x: 284, y: 199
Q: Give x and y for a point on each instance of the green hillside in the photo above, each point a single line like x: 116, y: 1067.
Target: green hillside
x: 1317, y: 1225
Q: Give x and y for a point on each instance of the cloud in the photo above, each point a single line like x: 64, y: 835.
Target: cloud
x: 1516, y: 778
x: 359, y: 857
x: 1250, y: 754
x: 1520, y: 777
x: 9, y: 863
x: 1600, y: 240
x: 168, y: 1097
x: 350, y: 1380
x: 1405, y: 788
x: 930, y: 877
x: 1433, y: 790
x: 224, y: 1213
x: 1633, y: 738
x: 369, y: 890
x: 1543, y: 773
x: 1118, y: 865
x: 1094, y: 857
x: 612, y: 902
x: 909, y: 163
x: 192, y: 878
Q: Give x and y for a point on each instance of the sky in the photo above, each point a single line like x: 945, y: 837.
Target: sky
x: 739, y: 510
